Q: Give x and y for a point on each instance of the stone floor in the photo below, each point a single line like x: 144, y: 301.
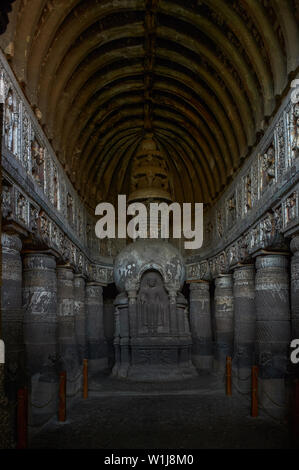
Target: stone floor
x: 198, y: 415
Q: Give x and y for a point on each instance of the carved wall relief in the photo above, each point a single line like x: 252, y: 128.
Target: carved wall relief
x: 10, y: 122
x: 231, y: 211
x: 152, y: 305
x: 295, y: 132
x: 38, y: 162
x: 22, y: 209
x: 247, y: 193
x: 7, y: 206
x: 55, y: 188
x: 70, y: 209
x: 268, y: 168
x: 219, y: 224
x: 291, y: 208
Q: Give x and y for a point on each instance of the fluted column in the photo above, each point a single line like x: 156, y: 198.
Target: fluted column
x: 66, y: 327
x: 224, y: 320
x: 244, y: 324
x: 273, y: 329
x: 97, y: 351
x: 40, y: 329
x: 12, y: 314
x: 80, y: 319
x: 201, y: 327
x: 295, y: 286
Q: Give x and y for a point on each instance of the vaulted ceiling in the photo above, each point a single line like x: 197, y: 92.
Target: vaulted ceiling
x: 202, y: 75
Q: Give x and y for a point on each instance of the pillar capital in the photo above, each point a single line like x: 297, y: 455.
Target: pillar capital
x: 38, y: 261
x: 294, y: 245
x: 93, y: 289
x: 272, y: 260
x: 224, y: 281
x: 65, y: 272
x: 200, y: 285
x: 244, y: 273
x: 11, y: 241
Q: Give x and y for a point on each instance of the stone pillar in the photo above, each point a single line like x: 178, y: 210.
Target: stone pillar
x: 80, y: 320
x: 172, y: 293
x: 201, y: 327
x: 12, y: 314
x: 224, y: 320
x: 97, y: 351
x: 273, y: 330
x: 295, y: 286
x: 40, y: 330
x: 7, y: 438
x: 66, y: 328
x: 132, y: 300
x: 245, y: 324
x: 122, y: 336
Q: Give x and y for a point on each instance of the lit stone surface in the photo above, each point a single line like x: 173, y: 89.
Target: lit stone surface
x: 80, y: 318
x: 244, y: 324
x: 273, y: 330
x: 40, y: 333
x: 12, y: 314
x: 66, y: 328
x: 224, y: 320
x: 200, y: 323
x: 97, y: 348
x: 295, y: 286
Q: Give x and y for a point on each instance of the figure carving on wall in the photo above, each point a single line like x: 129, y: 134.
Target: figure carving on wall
x: 152, y: 290
x: 268, y: 167
x: 295, y: 146
x: 9, y: 121
x: 38, y: 160
x: 69, y: 204
x: 267, y: 229
x: 248, y: 199
x: 231, y: 206
x: 6, y: 200
x: 22, y: 209
x: 153, y: 303
x: 55, y: 188
x: 291, y: 207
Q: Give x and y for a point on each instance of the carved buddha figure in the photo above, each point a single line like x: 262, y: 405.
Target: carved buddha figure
x: 153, y: 304
x: 152, y: 290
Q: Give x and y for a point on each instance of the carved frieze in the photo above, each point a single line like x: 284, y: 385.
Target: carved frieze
x: 267, y: 168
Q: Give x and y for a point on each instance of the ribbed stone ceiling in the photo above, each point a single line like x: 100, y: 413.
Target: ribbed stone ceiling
x: 202, y: 76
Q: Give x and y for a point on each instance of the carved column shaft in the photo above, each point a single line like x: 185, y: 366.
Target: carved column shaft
x: 132, y: 311
x: 224, y: 320
x: 295, y: 287
x: 97, y: 351
x: 40, y: 330
x: 12, y: 314
x: 201, y: 328
x: 273, y: 329
x: 66, y: 326
x: 80, y: 319
x: 122, y: 336
x: 244, y: 324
